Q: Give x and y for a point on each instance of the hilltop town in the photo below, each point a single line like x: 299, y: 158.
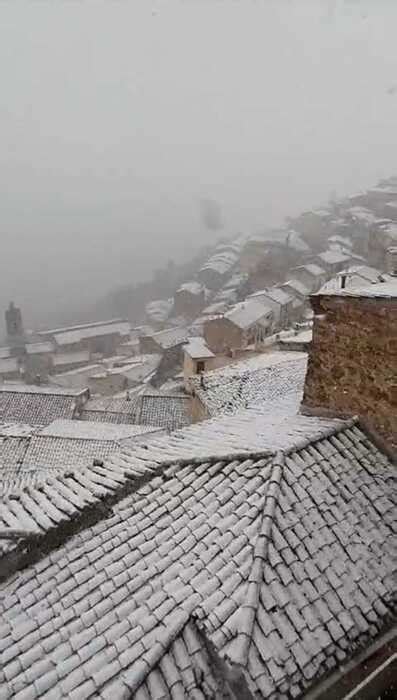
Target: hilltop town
x: 203, y: 505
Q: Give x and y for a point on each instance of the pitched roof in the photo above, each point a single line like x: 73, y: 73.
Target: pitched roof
x: 197, y: 349
x: 297, y: 287
x: 170, y: 337
x: 275, y: 565
x: 270, y: 377
x: 246, y: 313
x: 276, y: 294
x: 36, y: 405
x: 331, y: 257
x: 165, y: 411
x: 64, y: 444
x: 111, y: 410
x: 74, y: 334
x: 312, y: 269
x: 383, y: 290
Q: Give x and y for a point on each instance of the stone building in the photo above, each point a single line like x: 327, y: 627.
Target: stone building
x: 101, y: 337
x: 14, y: 325
x: 246, y: 323
x: 280, y: 302
x: 198, y: 358
x: 352, y: 359
x: 311, y: 275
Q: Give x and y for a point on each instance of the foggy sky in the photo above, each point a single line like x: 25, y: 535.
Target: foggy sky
x: 118, y: 118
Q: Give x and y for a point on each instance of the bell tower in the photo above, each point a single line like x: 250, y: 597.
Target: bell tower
x: 14, y: 325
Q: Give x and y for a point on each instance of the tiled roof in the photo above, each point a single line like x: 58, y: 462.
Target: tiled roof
x: 270, y: 377
x: 269, y: 569
x: 36, y: 405
x: 84, y: 430
x: 166, y: 411
x: 64, y: 444
x: 170, y: 337
x: 110, y: 410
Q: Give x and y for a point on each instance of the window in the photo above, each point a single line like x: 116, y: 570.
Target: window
x: 200, y: 367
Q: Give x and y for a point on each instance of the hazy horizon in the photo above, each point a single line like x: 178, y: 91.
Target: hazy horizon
x: 118, y: 118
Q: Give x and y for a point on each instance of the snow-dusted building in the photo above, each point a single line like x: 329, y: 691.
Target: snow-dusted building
x: 248, y: 322
x: 279, y: 301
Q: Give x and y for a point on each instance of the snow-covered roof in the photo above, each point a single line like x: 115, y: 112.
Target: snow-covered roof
x: 192, y: 287
x: 275, y: 377
x: 276, y: 294
x: 39, y: 348
x: 92, y: 430
x: 312, y: 269
x: 36, y: 405
x: 70, y: 358
x: 168, y: 411
x: 218, y: 308
x: 280, y: 565
x: 41, y: 390
x: 98, y: 330
x: 85, y: 371
x: 384, y: 290
x: 197, y: 349
x: 248, y: 312
x: 8, y: 364
x: 304, y: 337
x: 170, y: 337
x: 110, y: 409
x: 331, y: 257
x: 297, y: 287
x: 371, y: 274
x: 342, y: 240
x: 136, y: 371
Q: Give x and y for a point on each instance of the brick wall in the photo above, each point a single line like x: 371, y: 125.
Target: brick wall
x: 353, y: 361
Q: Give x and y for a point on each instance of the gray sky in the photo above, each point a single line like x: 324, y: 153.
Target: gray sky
x: 117, y: 117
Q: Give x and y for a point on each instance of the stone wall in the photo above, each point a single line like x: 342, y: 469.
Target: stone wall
x: 352, y: 367
x: 221, y: 335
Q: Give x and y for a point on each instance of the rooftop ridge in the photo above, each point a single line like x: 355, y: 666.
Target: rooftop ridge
x: 66, y: 504
x: 249, y: 609
x: 344, y: 424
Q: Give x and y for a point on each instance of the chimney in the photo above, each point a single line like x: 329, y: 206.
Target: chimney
x: 352, y: 358
x: 392, y: 260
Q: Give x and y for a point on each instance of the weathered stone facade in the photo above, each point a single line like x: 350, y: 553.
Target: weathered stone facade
x: 352, y: 366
